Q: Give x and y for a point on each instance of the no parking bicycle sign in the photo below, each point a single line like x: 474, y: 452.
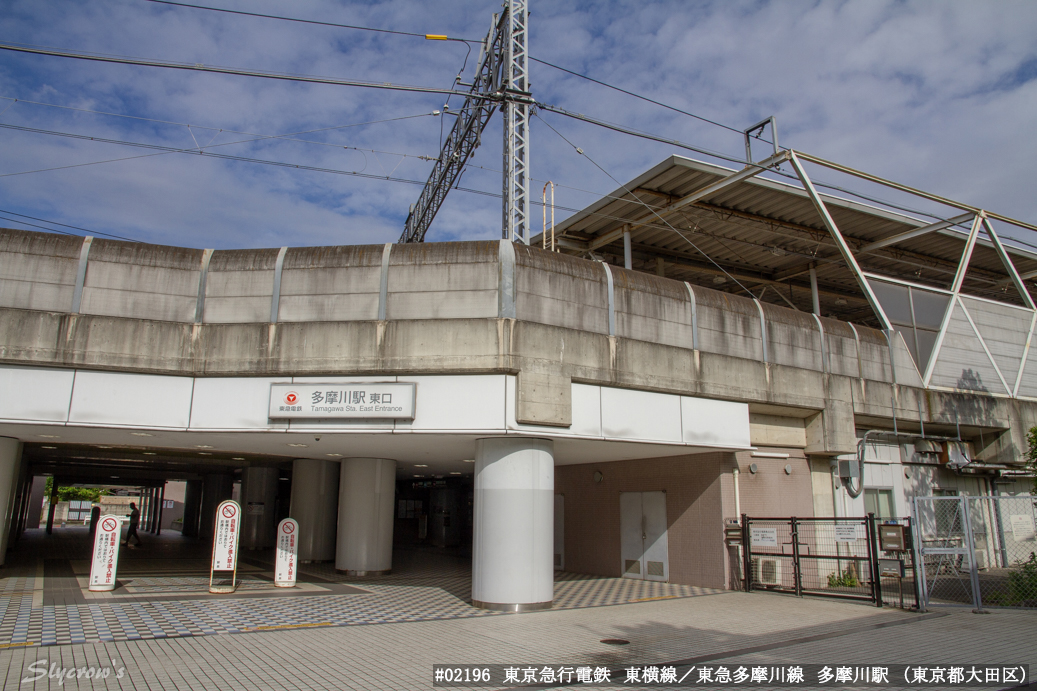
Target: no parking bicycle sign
x: 225, y: 548
x: 287, y: 549
x: 105, y: 559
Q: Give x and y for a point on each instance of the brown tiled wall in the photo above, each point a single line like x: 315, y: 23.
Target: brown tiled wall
x: 769, y: 491
x: 699, y: 495
x: 693, y: 508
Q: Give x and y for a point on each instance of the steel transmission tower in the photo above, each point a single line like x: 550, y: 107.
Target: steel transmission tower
x: 501, y: 79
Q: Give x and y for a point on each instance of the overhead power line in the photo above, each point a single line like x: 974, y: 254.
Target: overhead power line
x: 63, y: 225
x: 431, y: 37
x: 213, y: 69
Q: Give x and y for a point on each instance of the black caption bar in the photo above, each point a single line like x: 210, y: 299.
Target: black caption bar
x: 740, y: 675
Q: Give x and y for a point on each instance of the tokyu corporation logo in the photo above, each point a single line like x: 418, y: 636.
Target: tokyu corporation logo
x: 291, y: 398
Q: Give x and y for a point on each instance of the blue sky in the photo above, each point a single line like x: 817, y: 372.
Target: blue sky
x: 939, y: 95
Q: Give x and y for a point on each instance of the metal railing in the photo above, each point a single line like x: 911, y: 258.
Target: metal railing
x: 867, y: 558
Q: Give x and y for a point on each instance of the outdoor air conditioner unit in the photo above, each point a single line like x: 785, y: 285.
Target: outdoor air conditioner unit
x: 766, y: 571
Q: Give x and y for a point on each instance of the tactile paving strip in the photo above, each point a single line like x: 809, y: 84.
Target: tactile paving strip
x: 429, y: 594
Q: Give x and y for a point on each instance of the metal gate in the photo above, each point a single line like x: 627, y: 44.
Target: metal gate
x: 866, y: 558
x: 977, y: 551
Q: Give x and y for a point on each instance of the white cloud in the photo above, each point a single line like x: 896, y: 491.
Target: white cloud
x: 932, y: 94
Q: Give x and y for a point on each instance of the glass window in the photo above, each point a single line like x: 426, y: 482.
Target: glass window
x: 879, y: 502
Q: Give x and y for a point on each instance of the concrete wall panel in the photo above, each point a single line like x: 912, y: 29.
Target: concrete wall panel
x: 35, y: 393
x: 141, y: 400
x: 453, y: 403
x: 443, y: 281
x: 239, y: 286
x: 729, y: 325
x: 715, y: 423
x: 842, y: 348
x: 561, y: 291
x: 793, y: 338
x: 632, y: 415
x: 653, y: 309
x: 233, y: 403
x: 331, y: 283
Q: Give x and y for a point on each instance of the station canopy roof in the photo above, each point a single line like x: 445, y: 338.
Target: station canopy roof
x: 766, y: 234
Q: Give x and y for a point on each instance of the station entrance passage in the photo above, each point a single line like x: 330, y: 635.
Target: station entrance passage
x: 163, y: 592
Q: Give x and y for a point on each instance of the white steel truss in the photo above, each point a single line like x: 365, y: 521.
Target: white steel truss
x: 516, y: 125
x: 979, y: 223
x: 501, y: 78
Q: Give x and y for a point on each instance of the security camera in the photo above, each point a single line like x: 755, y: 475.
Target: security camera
x: 316, y: 439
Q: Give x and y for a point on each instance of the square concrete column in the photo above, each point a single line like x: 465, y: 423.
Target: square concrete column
x: 315, y: 490
x: 258, y: 494
x: 367, y: 492
x: 513, y: 542
x: 10, y: 462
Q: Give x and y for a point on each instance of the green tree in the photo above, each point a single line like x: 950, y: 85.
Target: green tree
x: 75, y: 493
x: 1031, y: 456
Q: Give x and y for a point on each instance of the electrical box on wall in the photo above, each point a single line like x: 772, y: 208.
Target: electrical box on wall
x: 849, y: 469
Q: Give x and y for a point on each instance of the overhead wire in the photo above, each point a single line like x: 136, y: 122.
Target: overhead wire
x: 63, y: 225
x: 650, y: 209
x: 216, y: 69
x: 449, y: 92
x: 437, y: 37
x: 200, y: 149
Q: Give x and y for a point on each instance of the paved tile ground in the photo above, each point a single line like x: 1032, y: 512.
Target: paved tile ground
x: 166, y: 595
x: 756, y: 628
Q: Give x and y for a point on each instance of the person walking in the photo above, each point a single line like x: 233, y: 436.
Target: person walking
x: 134, y: 524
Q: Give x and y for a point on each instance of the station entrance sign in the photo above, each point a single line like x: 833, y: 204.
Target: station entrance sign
x: 225, y: 548
x: 285, y: 565
x: 105, y: 560
x: 338, y: 400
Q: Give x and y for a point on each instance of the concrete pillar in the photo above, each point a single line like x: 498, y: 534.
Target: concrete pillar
x: 814, y: 297
x: 153, y: 513
x: 10, y: 463
x: 161, y: 502
x: 445, y: 516
x: 39, y: 488
x: 315, y: 490
x: 216, y: 488
x: 628, y: 260
x: 367, y: 493
x: 192, y: 506
x: 53, y: 504
x: 513, y: 542
x: 258, y: 494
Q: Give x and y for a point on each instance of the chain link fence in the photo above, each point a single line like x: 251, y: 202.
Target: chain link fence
x: 977, y: 551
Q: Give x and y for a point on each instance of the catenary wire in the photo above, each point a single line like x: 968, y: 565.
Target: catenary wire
x: 310, y: 21
x: 419, y: 89
x: 54, y: 230
x: 215, y: 69
x: 200, y: 149
x: 650, y: 209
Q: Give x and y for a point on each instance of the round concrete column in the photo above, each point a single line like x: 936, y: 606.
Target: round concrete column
x: 367, y: 491
x: 215, y: 489
x: 258, y: 494
x: 513, y: 541
x: 10, y: 462
x: 315, y: 489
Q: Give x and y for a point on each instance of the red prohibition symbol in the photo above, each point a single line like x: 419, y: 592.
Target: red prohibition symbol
x: 288, y: 528
x: 109, y: 524
x: 228, y: 511
x: 291, y: 397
